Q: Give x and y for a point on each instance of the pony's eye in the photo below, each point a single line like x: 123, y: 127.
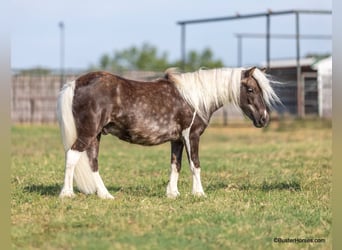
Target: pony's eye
x: 250, y: 90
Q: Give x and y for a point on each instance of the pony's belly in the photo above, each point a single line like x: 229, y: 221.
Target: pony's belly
x: 144, y: 134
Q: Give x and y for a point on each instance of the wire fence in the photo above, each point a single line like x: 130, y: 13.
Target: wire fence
x: 34, y: 97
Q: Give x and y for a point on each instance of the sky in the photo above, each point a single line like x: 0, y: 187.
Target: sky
x: 93, y: 28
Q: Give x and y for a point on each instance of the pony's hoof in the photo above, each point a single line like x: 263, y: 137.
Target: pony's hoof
x: 199, y: 194
x: 66, y: 194
x: 172, y: 195
x: 107, y: 196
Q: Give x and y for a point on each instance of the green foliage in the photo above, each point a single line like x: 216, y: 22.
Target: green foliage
x: 197, y: 60
x: 148, y: 58
x: 145, y: 58
x: 36, y: 71
x: 259, y: 185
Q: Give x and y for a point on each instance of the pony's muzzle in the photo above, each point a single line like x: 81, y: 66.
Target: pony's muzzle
x: 263, y: 120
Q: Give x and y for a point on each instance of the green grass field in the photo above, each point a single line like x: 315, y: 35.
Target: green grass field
x: 276, y: 185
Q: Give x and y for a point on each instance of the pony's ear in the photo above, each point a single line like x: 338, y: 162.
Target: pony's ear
x: 249, y: 72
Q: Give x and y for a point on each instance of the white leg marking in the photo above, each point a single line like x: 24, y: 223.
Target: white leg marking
x: 197, y: 188
x: 101, y: 189
x: 72, y: 157
x: 172, y: 189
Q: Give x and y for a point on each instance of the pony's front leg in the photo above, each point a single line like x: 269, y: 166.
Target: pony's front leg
x: 176, y: 163
x: 191, y: 143
x: 71, y: 159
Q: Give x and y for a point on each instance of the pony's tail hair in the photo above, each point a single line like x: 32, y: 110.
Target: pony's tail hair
x: 83, y: 175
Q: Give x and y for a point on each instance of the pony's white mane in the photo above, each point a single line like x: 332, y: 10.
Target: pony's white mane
x: 207, y: 90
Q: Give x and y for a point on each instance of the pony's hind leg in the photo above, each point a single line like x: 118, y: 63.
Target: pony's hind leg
x: 176, y: 163
x: 71, y: 159
x: 82, y: 166
x: 92, y: 153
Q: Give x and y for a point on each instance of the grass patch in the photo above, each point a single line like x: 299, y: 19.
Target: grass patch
x: 260, y: 184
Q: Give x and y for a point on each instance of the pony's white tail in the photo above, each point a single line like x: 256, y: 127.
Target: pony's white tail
x: 83, y: 175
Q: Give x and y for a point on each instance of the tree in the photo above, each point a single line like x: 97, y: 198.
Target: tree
x: 36, y: 71
x: 134, y: 58
x: 197, y: 60
x: 148, y: 58
x: 105, y: 62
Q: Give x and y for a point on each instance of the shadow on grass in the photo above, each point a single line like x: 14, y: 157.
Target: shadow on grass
x: 271, y: 186
x: 265, y: 186
x: 45, y: 190
x: 157, y: 190
x: 54, y: 190
x: 139, y: 190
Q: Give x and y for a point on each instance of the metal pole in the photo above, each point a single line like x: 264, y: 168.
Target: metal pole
x: 268, y: 31
x: 239, y: 59
x: 300, y: 89
x: 61, y: 26
x: 225, y: 115
x: 183, y: 40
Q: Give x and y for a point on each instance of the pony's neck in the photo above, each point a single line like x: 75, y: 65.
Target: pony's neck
x: 212, y: 110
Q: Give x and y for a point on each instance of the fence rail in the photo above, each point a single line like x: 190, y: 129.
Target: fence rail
x: 34, y: 97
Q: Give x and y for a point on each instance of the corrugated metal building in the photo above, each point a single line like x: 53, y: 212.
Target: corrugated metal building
x: 316, y: 81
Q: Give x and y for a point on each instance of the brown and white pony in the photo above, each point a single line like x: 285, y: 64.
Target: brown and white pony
x: 176, y: 108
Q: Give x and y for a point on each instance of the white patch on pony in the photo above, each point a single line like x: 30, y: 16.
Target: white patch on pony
x: 101, y: 189
x: 172, y: 188
x: 197, y: 188
x: 186, y: 132
x: 251, y: 107
x: 265, y: 113
x: 72, y: 158
x: 118, y: 98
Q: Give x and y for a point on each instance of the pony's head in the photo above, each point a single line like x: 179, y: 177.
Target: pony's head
x: 256, y: 96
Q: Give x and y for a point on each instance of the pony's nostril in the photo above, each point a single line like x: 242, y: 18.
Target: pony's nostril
x: 264, y: 119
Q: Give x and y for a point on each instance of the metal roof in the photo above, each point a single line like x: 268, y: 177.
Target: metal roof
x: 289, y: 63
